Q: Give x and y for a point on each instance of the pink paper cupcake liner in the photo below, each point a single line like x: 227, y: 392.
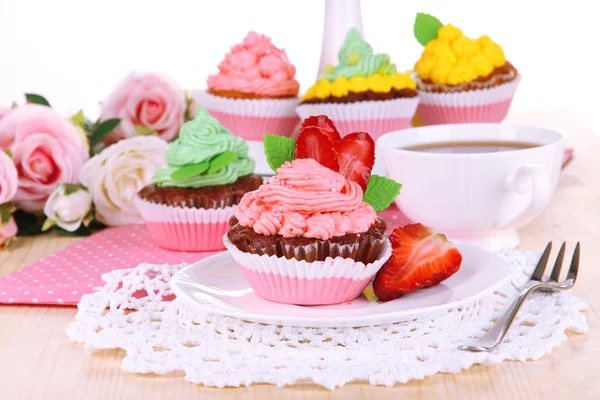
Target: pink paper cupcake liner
x: 251, y: 118
x: 184, y: 228
x: 375, y: 117
x: 485, y: 105
x: 335, y: 280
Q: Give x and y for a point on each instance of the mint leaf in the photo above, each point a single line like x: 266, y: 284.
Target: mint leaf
x: 102, y: 130
x: 426, y: 28
x: 28, y: 223
x: 36, y: 99
x: 71, y: 188
x: 4, y: 216
x: 6, y: 211
x: 48, y: 223
x: 278, y: 150
x: 81, y: 231
x: 145, y: 130
x: 221, y: 161
x: 189, y: 171
x: 189, y: 102
x: 78, y: 119
x: 381, y: 192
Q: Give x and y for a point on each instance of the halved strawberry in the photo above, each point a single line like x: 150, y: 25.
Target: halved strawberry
x: 420, y: 258
x: 312, y: 143
x: 355, y: 155
x: 325, y: 125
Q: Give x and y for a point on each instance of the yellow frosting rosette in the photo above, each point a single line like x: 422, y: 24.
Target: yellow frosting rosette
x: 461, y: 79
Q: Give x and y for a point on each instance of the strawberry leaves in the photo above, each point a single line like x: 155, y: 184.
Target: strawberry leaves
x: 353, y: 156
x: 381, y: 192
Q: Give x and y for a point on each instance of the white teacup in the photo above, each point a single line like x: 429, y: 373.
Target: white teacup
x: 479, y: 198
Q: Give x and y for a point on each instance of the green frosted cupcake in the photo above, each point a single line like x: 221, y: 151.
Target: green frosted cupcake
x: 189, y: 203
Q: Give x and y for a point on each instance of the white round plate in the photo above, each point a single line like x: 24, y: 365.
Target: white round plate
x: 216, y: 284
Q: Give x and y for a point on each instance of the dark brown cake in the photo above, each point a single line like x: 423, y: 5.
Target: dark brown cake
x: 205, y: 197
x: 499, y: 76
x: 364, y: 247
x: 353, y: 97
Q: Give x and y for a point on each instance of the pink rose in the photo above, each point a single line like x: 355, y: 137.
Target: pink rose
x: 147, y: 99
x: 6, y: 110
x: 9, y: 180
x: 7, y: 231
x: 47, y: 150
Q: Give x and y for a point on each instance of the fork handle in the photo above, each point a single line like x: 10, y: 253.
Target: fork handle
x: 497, y: 332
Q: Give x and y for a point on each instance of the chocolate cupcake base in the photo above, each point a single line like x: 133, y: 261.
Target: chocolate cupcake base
x: 363, y: 247
x: 368, y: 95
x: 206, y: 197
x: 501, y: 75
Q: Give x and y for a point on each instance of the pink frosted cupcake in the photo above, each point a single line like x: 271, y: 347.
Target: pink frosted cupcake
x: 461, y: 80
x: 307, y: 237
x: 254, y: 92
x: 190, y: 202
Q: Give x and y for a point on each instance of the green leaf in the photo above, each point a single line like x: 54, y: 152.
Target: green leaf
x: 4, y: 216
x: 103, y: 129
x: 189, y: 101
x: 71, y: 188
x: 381, y: 192
x: 36, y: 99
x: 9, y: 152
x: 426, y: 28
x: 222, y: 160
x: 48, y: 223
x: 145, y: 130
x: 82, y: 231
x: 28, y: 223
x: 79, y: 119
x: 278, y: 150
x: 190, y: 171
x: 6, y: 211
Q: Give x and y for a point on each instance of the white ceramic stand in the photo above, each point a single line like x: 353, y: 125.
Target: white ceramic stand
x: 340, y: 16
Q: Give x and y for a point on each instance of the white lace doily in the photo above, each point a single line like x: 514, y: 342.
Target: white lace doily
x: 163, y: 336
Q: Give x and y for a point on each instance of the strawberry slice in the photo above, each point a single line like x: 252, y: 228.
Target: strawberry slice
x: 420, y: 258
x: 355, y: 155
x: 312, y: 143
x: 325, y: 125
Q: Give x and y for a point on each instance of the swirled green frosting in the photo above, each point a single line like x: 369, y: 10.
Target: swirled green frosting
x: 357, y: 59
x: 202, y: 140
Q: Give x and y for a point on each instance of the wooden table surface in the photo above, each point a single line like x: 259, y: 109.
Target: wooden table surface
x: 37, y: 360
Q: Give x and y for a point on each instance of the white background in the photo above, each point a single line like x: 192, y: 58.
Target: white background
x: 74, y: 52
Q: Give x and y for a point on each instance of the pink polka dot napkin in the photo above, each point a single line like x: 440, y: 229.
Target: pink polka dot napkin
x: 63, y: 277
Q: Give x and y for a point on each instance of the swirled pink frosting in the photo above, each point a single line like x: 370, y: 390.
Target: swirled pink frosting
x: 306, y: 199
x: 256, y: 66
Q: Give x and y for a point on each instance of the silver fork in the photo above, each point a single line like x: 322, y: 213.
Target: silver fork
x: 495, y: 335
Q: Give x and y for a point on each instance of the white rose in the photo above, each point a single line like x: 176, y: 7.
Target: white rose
x: 118, y: 173
x: 68, y: 207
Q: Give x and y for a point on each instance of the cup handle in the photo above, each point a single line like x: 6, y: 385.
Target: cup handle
x: 525, y: 175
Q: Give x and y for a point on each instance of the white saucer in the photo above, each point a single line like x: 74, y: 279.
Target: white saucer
x: 216, y: 284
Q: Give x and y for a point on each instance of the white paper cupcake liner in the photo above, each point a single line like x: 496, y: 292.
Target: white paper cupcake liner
x: 330, y: 268
x: 376, y: 117
x: 185, y: 228
x: 247, y: 107
x: 251, y: 119
x: 471, y: 98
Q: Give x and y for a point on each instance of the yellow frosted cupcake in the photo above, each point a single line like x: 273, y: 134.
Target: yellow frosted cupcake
x: 364, y: 92
x: 461, y: 79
